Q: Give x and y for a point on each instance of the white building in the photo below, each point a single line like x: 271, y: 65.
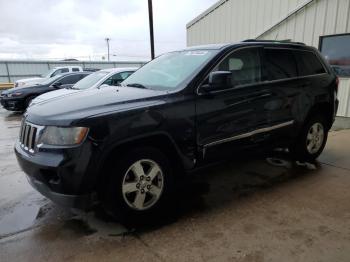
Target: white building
x: 324, y: 24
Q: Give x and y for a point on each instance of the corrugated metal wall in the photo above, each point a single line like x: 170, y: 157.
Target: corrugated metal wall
x: 321, y: 17
x: 235, y: 20
x: 11, y: 71
x: 298, y: 20
x: 344, y: 97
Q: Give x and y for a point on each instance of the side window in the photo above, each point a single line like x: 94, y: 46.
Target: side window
x: 244, y: 65
x: 57, y: 72
x: 117, y: 78
x: 82, y: 76
x: 308, y: 63
x: 280, y: 64
x: 125, y: 75
x: 71, y: 79
x: 75, y: 69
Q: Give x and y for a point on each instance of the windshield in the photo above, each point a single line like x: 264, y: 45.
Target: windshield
x: 168, y: 71
x: 90, y: 80
x: 48, y: 74
x: 49, y: 80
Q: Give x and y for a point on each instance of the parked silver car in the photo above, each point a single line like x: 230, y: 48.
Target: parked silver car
x: 99, y: 79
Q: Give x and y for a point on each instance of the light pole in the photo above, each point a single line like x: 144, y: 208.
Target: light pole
x: 150, y: 17
x: 107, y: 40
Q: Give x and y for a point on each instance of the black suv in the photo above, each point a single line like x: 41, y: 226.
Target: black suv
x: 19, y: 98
x: 126, y: 146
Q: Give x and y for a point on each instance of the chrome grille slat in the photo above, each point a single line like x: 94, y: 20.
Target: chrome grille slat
x: 28, y: 136
x: 21, y: 131
x: 24, y: 133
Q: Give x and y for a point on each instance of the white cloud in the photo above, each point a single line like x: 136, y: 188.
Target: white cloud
x: 67, y: 28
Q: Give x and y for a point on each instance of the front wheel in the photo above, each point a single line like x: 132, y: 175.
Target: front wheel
x: 139, y: 185
x: 312, y: 140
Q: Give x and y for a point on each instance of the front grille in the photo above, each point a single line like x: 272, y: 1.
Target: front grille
x: 28, y: 136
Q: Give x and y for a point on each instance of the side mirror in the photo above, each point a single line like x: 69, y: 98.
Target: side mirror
x: 218, y: 80
x: 103, y: 86
x: 57, y: 85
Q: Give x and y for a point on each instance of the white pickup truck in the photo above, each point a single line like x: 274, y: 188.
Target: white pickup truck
x: 51, y: 73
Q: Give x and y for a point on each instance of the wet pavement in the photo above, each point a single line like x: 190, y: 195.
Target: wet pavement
x: 253, y: 209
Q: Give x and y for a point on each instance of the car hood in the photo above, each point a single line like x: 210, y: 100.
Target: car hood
x: 18, y: 89
x: 53, y: 95
x: 30, y: 81
x: 71, y: 109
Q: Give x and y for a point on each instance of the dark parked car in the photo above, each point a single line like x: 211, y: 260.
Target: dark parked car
x: 126, y: 146
x: 18, y: 98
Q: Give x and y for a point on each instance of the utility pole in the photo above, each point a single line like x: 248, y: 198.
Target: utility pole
x: 107, y: 40
x: 150, y: 16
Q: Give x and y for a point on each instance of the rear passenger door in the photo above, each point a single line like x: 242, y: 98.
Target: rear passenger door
x: 284, y: 93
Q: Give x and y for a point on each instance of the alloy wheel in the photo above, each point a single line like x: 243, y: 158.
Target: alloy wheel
x: 315, y: 138
x: 143, y: 184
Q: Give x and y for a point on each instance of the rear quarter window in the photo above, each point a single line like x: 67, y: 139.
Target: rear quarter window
x: 280, y: 64
x: 308, y: 63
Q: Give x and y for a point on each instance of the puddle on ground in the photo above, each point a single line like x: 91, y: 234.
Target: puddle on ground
x: 96, y: 224
x: 21, y: 217
x: 200, y: 193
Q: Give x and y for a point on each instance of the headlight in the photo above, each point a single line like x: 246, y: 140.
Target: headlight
x: 17, y: 84
x: 14, y: 94
x: 53, y: 135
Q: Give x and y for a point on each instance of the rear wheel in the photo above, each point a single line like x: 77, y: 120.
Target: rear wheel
x: 312, y: 139
x: 138, y: 186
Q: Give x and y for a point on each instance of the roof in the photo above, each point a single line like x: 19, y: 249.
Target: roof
x: 252, y: 42
x: 119, y: 69
x: 208, y: 47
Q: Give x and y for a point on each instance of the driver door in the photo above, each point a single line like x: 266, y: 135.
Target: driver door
x: 226, y: 116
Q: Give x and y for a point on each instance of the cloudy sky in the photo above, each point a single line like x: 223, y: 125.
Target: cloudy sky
x: 56, y: 29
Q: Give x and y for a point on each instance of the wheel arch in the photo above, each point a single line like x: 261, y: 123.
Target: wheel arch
x: 161, y: 141
x: 325, y: 109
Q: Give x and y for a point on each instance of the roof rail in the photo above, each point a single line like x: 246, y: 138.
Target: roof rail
x: 274, y: 41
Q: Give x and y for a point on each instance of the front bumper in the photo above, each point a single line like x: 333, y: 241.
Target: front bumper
x: 12, y: 104
x: 59, y: 175
x: 72, y: 201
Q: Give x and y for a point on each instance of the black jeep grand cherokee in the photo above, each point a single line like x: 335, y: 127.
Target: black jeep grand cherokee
x: 125, y: 146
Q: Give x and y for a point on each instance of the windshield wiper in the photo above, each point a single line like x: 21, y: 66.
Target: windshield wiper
x: 137, y: 85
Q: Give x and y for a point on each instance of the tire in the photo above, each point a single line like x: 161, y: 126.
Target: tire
x: 312, y: 139
x: 142, y: 203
